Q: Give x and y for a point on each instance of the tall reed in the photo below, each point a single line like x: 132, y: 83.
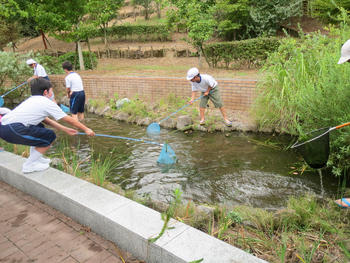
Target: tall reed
x: 303, y: 88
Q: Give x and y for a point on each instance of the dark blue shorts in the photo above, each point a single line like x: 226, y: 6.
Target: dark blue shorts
x: 77, y: 102
x: 17, y: 133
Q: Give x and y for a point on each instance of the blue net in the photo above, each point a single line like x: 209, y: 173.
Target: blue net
x: 167, y: 155
x: 1, y: 101
x: 153, y: 128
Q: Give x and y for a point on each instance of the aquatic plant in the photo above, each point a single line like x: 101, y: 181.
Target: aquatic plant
x: 100, y: 169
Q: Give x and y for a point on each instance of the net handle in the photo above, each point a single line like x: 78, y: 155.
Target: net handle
x: 123, y: 138
x: 297, y: 144
x: 342, y: 125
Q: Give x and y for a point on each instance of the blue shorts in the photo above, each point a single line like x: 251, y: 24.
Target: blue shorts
x: 34, y: 135
x: 77, y: 102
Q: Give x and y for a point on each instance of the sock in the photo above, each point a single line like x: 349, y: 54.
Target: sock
x: 34, y: 156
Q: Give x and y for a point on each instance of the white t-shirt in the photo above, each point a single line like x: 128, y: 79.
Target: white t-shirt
x: 39, y: 71
x: 206, y: 81
x: 74, y: 82
x: 32, y: 111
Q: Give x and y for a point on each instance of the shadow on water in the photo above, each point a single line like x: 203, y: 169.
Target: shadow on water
x: 211, y: 168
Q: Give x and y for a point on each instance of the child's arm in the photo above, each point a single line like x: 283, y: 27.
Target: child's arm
x: 192, y: 97
x: 68, y: 130
x: 60, y: 127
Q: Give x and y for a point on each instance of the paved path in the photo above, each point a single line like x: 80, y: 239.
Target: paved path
x: 31, y: 231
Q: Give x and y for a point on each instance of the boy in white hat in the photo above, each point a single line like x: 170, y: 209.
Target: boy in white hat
x: 344, y: 57
x: 345, y: 53
x: 39, y: 72
x: 23, y: 125
x: 208, y: 86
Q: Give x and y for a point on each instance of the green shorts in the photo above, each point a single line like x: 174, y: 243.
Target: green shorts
x: 215, y: 98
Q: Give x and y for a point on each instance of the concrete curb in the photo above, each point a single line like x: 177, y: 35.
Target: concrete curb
x: 116, y: 218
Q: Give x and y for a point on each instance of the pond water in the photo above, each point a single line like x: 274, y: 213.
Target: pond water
x: 228, y: 168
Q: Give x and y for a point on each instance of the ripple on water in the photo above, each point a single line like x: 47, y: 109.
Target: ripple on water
x: 211, y: 168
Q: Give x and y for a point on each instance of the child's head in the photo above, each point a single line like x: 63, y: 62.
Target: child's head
x: 192, y: 74
x: 39, y: 85
x: 67, y: 66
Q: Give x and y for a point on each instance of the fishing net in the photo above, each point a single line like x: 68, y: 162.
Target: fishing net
x: 1, y: 101
x: 153, y: 128
x: 167, y: 155
x: 314, y: 147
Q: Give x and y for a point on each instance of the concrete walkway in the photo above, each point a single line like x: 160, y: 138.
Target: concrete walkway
x: 31, y: 231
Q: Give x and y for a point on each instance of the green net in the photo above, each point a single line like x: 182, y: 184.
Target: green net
x: 314, y: 147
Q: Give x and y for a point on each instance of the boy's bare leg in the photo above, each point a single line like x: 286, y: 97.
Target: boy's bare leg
x: 81, y: 116
x: 75, y: 116
x: 201, y: 113
x: 223, y: 112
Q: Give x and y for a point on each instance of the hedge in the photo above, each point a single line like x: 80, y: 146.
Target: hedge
x: 140, y: 32
x: 252, y: 52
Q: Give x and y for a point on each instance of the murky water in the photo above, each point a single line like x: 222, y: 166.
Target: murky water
x: 222, y: 168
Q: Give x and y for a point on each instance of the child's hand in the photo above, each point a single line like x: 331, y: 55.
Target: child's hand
x: 70, y: 131
x: 190, y: 102
x: 90, y: 132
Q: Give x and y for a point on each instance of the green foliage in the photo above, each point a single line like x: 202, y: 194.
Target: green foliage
x: 266, y: 16
x: 51, y: 64
x: 13, y: 69
x: 252, y: 52
x: 232, y: 16
x: 303, y: 89
x: 136, y: 108
x: 90, y: 59
x: 329, y: 11
x: 197, y: 15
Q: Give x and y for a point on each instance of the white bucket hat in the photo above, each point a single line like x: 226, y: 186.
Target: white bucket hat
x: 191, y: 73
x: 345, y: 52
x: 30, y: 61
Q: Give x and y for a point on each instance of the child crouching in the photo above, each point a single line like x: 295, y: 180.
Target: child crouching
x: 23, y: 125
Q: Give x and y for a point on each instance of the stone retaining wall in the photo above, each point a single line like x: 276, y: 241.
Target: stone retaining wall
x: 237, y: 94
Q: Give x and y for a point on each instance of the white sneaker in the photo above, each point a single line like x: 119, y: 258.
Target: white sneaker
x: 44, y: 160
x: 35, y: 167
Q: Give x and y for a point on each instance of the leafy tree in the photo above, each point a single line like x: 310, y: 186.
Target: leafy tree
x: 56, y: 17
x: 267, y: 15
x: 232, y: 17
x: 198, y: 17
x: 11, y: 13
x: 101, y: 12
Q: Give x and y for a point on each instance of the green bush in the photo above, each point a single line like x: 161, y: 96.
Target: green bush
x: 252, y: 52
x: 51, y: 64
x: 90, y: 59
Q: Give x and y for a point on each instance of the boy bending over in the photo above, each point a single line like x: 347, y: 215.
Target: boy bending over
x: 23, y: 125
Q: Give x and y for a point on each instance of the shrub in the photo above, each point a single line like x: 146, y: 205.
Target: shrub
x: 252, y: 52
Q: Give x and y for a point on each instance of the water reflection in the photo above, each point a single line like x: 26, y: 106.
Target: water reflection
x: 211, y: 168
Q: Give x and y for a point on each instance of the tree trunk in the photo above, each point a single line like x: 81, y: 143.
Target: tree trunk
x: 158, y: 10
x: 80, y: 54
x: 43, y: 37
x: 90, y: 53
x: 105, y: 34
